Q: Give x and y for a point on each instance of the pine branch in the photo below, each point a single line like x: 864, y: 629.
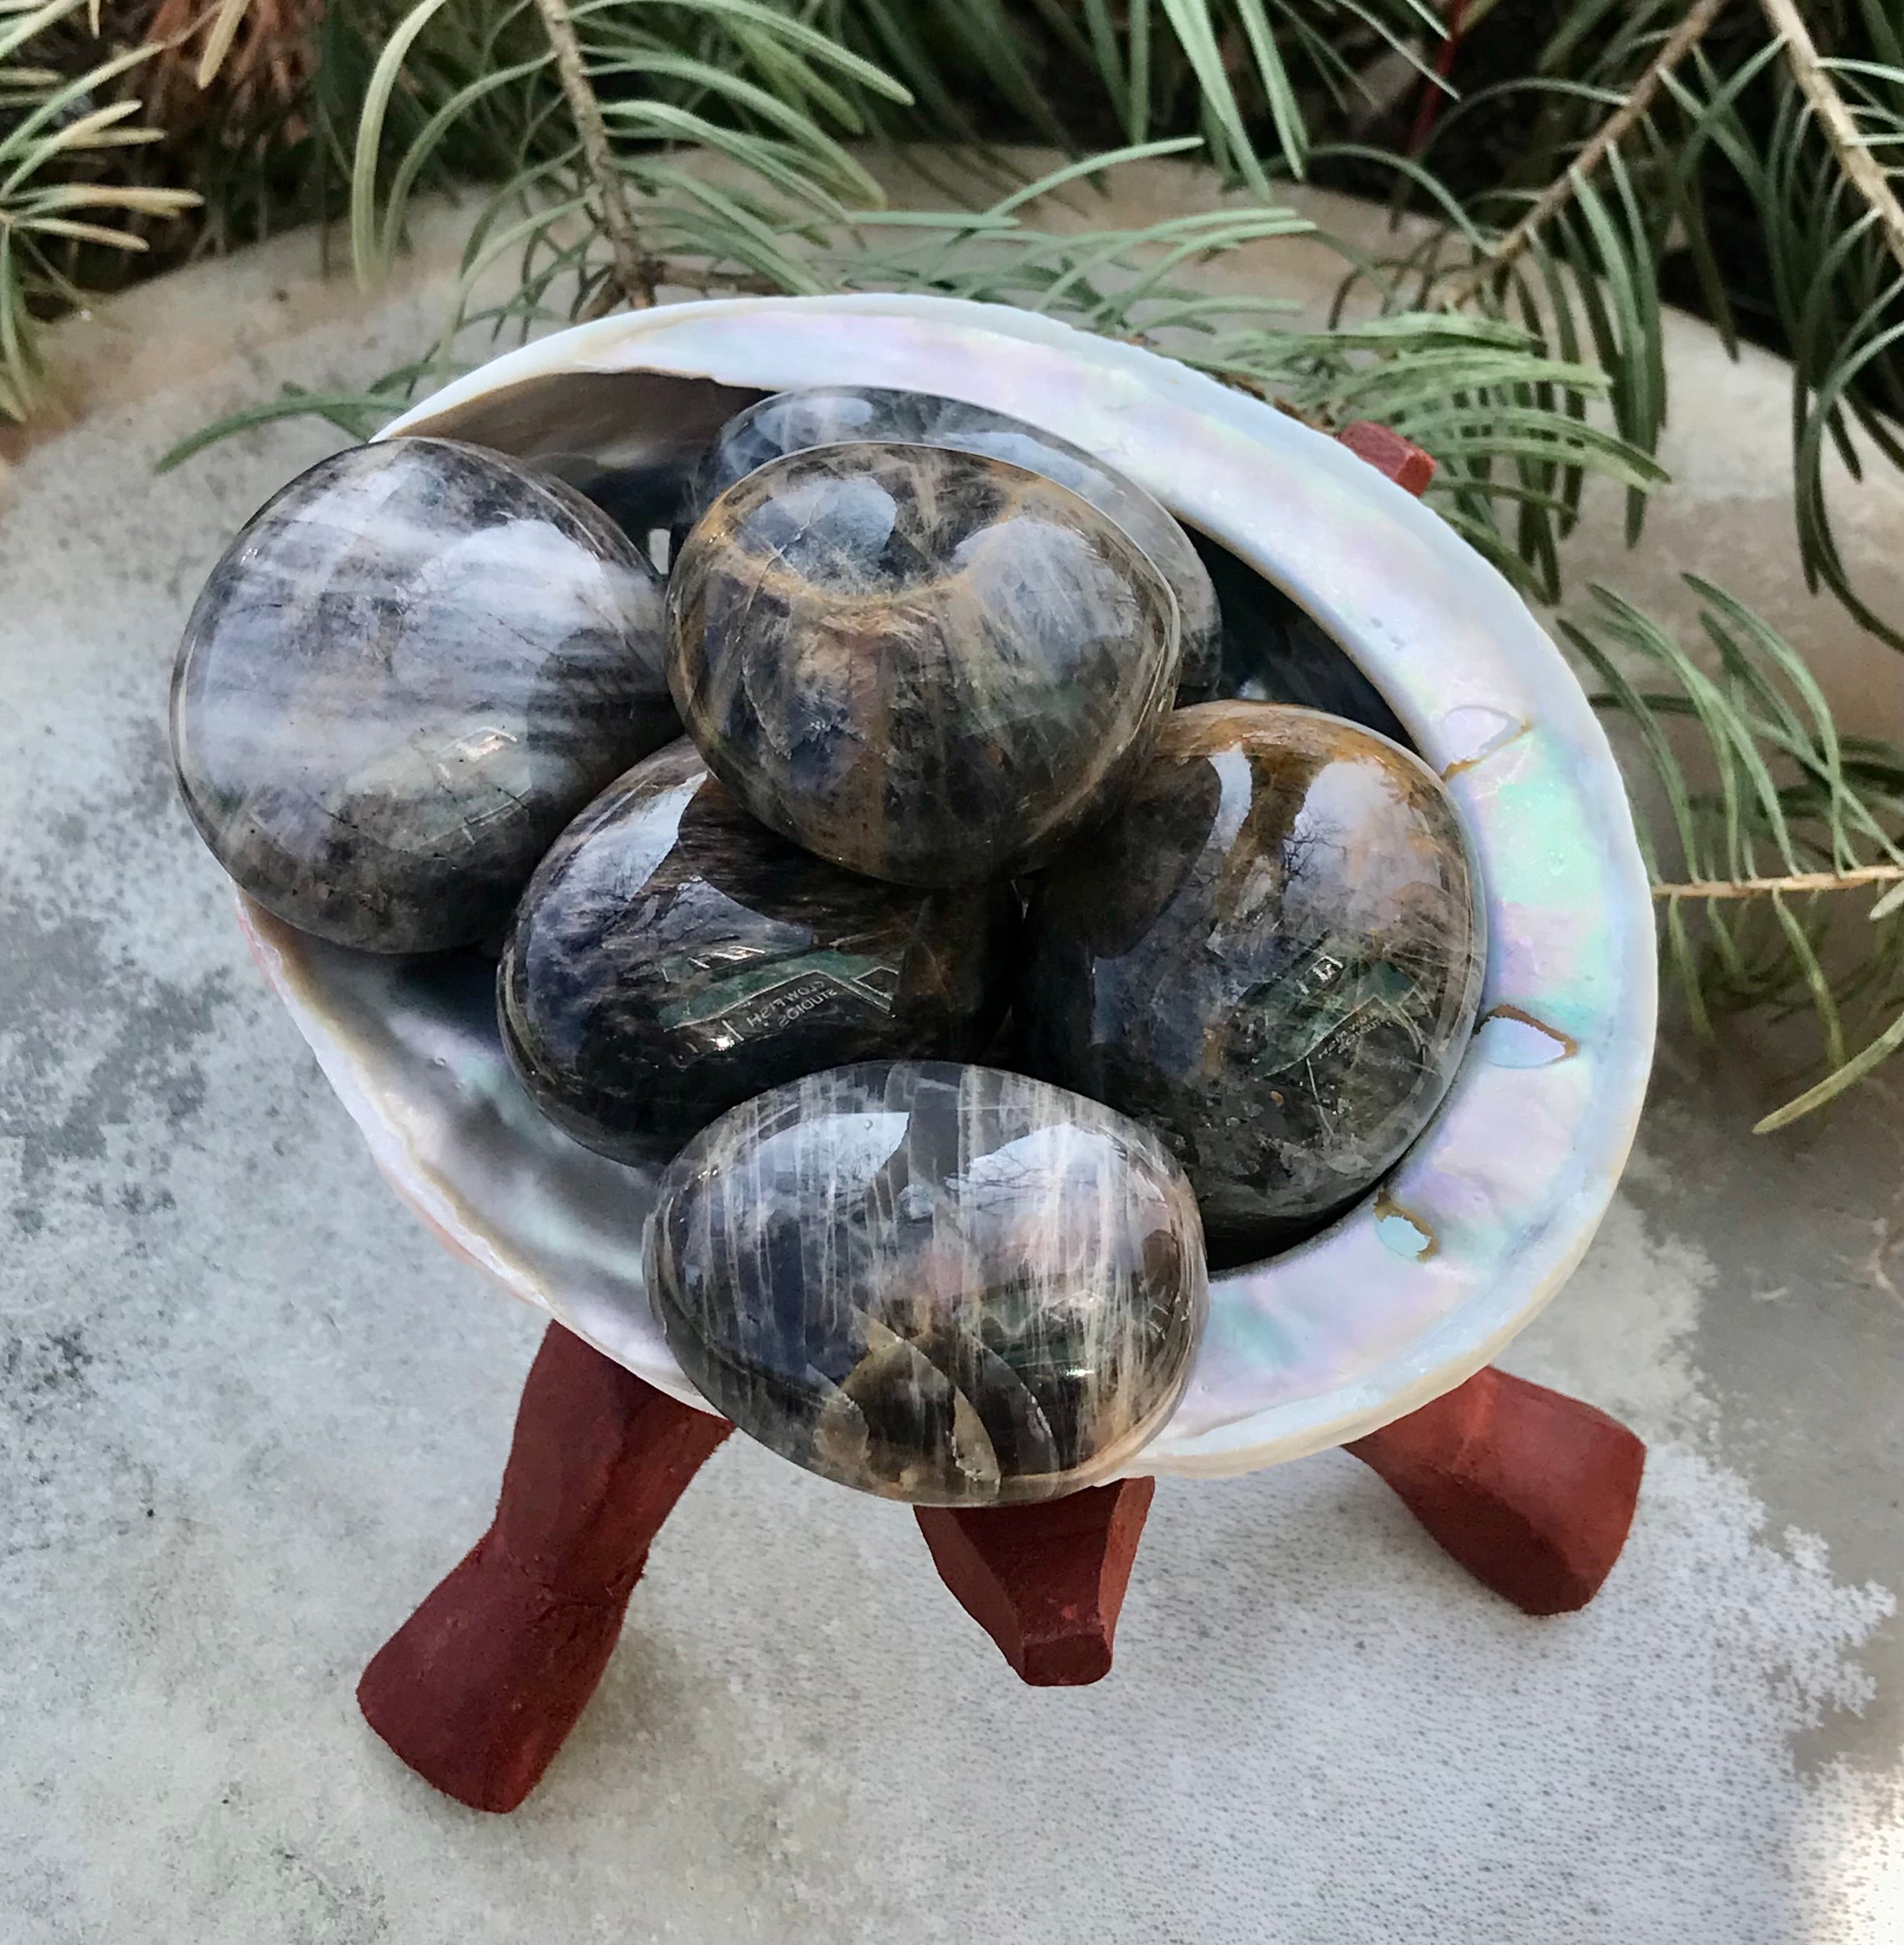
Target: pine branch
x: 1563, y: 190
x: 1795, y: 883
x: 1854, y: 157
x: 633, y: 274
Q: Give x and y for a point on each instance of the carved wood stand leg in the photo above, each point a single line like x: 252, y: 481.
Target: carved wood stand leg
x: 1531, y: 1491
x: 1045, y: 1582
x: 478, y: 1689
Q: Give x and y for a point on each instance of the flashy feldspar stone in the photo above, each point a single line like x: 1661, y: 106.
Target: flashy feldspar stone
x: 1271, y: 956
x: 826, y: 415
x: 926, y: 665
x: 945, y: 1284
x: 405, y: 676
x: 1273, y: 650
x: 672, y: 956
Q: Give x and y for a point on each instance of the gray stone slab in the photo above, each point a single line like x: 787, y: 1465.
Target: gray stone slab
x: 249, y: 1412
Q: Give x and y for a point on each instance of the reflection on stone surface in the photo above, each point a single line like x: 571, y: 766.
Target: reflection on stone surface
x: 1273, y: 651
x: 672, y: 956
x: 826, y: 415
x: 403, y: 678
x: 1271, y: 956
x: 945, y: 1284
x: 924, y: 665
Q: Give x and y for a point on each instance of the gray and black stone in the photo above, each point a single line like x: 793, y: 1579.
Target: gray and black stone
x: 409, y: 671
x: 1273, y: 651
x: 926, y: 665
x: 827, y: 414
x: 672, y: 958
x: 945, y: 1284
x: 1272, y: 956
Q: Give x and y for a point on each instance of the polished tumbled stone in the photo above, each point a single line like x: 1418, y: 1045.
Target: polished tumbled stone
x: 1273, y: 651
x: 1271, y: 956
x: 826, y: 415
x: 404, y: 676
x: 945, y: 1284
x: 673, y: 957
x: 926, y: 665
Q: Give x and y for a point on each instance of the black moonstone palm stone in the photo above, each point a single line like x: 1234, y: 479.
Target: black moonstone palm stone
x: 827, y: 414
x: 1273, y: 650
x: 672, y: 956
x: 929, y: 666
x: 946, y: 1284
x: 408, y: 672
x: 1271, y: 956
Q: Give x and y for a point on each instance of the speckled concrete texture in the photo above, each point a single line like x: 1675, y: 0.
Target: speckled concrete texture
x: 249, y: 1412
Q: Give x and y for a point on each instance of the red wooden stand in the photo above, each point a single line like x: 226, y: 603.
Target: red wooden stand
x: 1532, y: 1492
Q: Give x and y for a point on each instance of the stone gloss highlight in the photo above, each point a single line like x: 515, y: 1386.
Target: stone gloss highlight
x: 950, y: 1285
x: 406, y: 674
x: 1272, y: 956
x: 672, y: 956
x: 830, y: 414
x: 927, y: 666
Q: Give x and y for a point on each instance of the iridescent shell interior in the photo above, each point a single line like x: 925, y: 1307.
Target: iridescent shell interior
x: 1481, y: 1222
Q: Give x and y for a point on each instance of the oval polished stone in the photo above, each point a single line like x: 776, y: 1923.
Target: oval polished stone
x: 408, y: 672
x: 826, y: 415
x: 1273, y: 650
x: 672, y: 956
x: 945, y: 1284
x: 1272, y: 956
x: 927, y: 666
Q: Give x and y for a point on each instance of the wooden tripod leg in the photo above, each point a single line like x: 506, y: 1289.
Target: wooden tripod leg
x: 477, y: 1691
x: 1531, y: 1491
x: 1045, y: 1582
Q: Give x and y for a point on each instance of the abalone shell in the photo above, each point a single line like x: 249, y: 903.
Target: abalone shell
x: 672, y: 956
x: 945, y: 1284
x: 406, y: 674
x: 1271, y: 956
x: 826, y: 415
x: 927, y: 666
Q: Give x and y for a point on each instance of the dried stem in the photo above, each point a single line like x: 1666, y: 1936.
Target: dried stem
x: 1560, y: 192
x: 1854, y: 157
x: 1799, y: 882
x: 634, y: 273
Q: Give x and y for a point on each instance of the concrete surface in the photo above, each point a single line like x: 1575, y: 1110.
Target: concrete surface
x: 249, y: 1412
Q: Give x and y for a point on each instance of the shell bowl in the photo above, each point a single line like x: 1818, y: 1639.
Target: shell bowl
x: 1483, y: 1220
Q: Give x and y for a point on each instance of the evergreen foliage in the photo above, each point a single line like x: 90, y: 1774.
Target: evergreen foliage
x: 1564, y: 169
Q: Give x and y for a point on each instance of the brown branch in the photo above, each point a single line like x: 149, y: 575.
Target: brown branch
x: 1560, y: 192
x: 1798, y: 884
x: 633, y: 274
x: 1858, y: 164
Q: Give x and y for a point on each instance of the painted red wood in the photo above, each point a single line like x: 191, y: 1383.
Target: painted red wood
x: 1531, y: 1491
x: 1395, y: 457
x: 478, y: 1689
x: 1045, y: 1582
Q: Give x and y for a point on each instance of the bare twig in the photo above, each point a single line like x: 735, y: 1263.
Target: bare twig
x: 1858, y: 164
x: 634, y: 272
x: 1558, y: 193
x: 1799, y: 882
